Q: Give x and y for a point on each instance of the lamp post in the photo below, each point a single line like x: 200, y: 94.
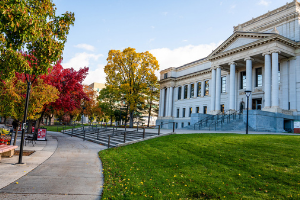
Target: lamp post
x: 83, y: 107
x: 248, y: 93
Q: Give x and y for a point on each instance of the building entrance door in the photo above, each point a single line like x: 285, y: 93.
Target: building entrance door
x: 256, y: 104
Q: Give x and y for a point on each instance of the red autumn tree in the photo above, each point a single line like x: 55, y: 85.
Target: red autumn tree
x: 69, y: 83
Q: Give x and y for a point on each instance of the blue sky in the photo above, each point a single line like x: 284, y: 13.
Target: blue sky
x: 175, y: 31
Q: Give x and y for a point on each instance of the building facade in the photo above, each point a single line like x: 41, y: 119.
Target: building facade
x: 262, y: 56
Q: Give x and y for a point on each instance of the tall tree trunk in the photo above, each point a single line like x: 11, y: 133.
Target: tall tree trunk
x: 131, y: 120
x: 29, y: 128
x: 50, y: 118
x: 16, y: 134
x: 149, y: 113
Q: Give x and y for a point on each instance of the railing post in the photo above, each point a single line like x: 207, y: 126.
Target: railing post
x: 124, y: 136
x: 158, y: 129
x: 173, y: 127
x: 98, y: 134
x: 83, y: 135
x: 113, y: 130
x: 125, y: 125
x: 108, y: 141
x: 56, y: 128
x: 144, y: 133
x: 106, y: 124
x: 137, y: 127
x: 63, y: 130
x: 72, y: 133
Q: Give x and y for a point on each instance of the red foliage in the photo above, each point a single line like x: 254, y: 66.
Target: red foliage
x: 69, y: 84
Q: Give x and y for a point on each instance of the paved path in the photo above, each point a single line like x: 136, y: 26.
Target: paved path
x: 74, y: 171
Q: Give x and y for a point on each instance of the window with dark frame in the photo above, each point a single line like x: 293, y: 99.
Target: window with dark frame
x: 179, y: 93
x: 206, y: 93
x: 192, y: 90
x: 204, y: 109
x: 183, y: 112
x: 178, y: 113
x: 182, y: 124
x: 165, y: 75
x: 223, y: 84
x: 185, y: 91
x: 199, y: 89
x: 197, y: 110
x: 258, y: 77
x: 243, y: 80
x: 191, y: 111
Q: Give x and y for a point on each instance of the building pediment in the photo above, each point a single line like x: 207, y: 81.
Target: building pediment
x: 240, y: 41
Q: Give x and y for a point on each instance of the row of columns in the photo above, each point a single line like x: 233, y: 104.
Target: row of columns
x: 271, y: 73
x: 271, y: 86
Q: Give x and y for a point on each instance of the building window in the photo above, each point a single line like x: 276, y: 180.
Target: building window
x: 243, y: 80
x: 258, y: 72
x: 206, y: 93
x: 278, y: 72
x: 222, y: 108
x: 176, y: 125
x: 165, y: 75
x: 179, y: 93
x: 223, y: 84
x: 185, y: 91
x: 192, y: 90
x: 204, y: 109
x: 199, y: 89
x: 191, y: 111
x: 183, y: 112
x: 182, y: 124
x: 189, y: 123
x: 197, y: 110
x: 178, y: 113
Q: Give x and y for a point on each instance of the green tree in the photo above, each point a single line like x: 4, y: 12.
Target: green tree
x: 152, y: 99
x: 108, y: 102
x: 128, y: 73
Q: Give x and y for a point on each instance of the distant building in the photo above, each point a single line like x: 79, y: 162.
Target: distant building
x: 97, y: 86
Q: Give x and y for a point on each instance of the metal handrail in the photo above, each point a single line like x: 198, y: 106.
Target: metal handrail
x: 224, y: 117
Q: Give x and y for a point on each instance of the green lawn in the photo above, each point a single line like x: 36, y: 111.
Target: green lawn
x: 204, y: 166
x: 59, y: 128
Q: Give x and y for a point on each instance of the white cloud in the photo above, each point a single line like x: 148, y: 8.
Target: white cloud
x: 97, y: 75
x: 85, y: 47
x: 177, y: 57
x: 264, y: 2
x: 81, y: 60
x: 184, y: 40
x: 151, y: 40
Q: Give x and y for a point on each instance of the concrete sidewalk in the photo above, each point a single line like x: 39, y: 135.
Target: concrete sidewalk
x: 65, y: 168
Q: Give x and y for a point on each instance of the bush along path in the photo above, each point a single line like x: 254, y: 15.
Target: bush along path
x: 217, y: 166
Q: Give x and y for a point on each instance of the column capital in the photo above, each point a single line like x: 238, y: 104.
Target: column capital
x: 266, y: 53
x: 232, y: 63
x: 215, y: 67
x: 248, y: 58
x: 275, y: 51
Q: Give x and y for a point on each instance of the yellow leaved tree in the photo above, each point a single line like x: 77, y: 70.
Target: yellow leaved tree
x: 129, y: 73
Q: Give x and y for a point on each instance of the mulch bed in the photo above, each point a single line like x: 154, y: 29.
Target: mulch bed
x: 25, y: 152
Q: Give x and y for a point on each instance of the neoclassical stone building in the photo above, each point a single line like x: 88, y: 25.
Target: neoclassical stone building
x: 262, y: 55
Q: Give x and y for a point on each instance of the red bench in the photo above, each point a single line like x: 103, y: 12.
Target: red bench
x: 7, y: 150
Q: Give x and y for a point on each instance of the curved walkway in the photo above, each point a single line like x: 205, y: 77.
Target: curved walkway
x: 74, y: 171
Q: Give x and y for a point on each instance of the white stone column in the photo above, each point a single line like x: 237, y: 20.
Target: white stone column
x: 249, y: 79
x: 275, y: 85
x: 195, y: 89
x: 267, y: 88
x: 160, y: 103
x: 189, y: 91
x: 170, y: 104
x: 167, y: 102
x: 218, y: 89
x: 163, y: 102
x: 232, y: 86
x: 202, y: 88
x: 212, y: 90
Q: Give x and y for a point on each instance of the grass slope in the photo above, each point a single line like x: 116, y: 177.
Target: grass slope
x: 204, y: 166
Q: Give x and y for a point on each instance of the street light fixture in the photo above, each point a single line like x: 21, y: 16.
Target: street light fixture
x: 248, y: 93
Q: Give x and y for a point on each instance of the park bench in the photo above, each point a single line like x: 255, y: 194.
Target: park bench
x: 7, y: 150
